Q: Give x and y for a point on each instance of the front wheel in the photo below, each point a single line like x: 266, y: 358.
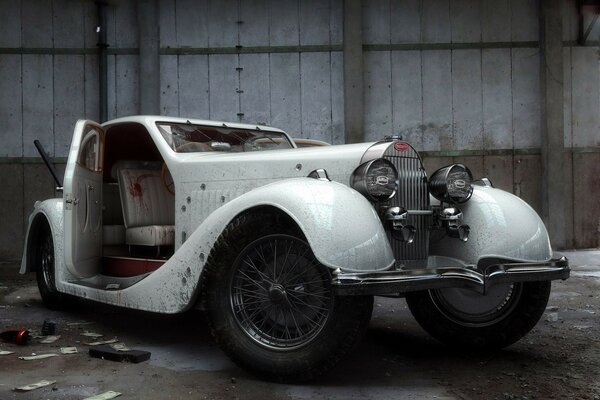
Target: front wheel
x: 271, y: 307
x: 464, y: 318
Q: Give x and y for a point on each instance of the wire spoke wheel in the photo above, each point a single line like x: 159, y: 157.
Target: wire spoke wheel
x: 270, y: 304
x: 47, y: 261
x: 280, y: 294
x: 43, y: 262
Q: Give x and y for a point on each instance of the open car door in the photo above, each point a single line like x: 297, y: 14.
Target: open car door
x: 82, y: 196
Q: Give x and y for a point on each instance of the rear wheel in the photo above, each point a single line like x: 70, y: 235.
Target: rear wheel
x: 462, y: 317
x: 271, y: 306
x: 43, y: 262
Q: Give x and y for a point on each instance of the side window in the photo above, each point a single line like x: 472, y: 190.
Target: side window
x: 90, y: 151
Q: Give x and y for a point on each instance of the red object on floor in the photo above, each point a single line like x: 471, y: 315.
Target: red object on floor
x: 18, y: 336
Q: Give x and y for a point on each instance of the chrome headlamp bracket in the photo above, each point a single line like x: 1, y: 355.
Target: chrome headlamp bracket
x: 451, y: 218
x: 402, y: 231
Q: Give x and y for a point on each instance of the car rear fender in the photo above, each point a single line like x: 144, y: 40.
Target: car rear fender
x: 51, y: 212
x: 502, y: 227
x: 341, y: 226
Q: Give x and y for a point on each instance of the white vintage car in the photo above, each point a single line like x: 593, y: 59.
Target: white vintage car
x: 285, y: 247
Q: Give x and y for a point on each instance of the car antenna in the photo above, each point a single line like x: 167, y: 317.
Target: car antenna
x: 49, y: 165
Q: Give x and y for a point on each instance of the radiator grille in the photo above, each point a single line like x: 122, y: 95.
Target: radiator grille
x: 412, y: 194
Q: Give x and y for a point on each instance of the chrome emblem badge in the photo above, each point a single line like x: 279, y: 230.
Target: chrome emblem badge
x: 401, y: 146
x: 460, y: 184
x: 382, y: 180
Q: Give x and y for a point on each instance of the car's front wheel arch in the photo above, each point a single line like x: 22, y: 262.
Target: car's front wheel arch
x: 286, y: 356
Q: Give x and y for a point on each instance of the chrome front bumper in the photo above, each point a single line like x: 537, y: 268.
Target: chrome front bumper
x: 402, y: 281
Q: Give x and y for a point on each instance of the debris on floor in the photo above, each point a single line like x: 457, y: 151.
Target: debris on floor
x: 68, y: 350
x: 5, y: 352
x: 35, y: 335
x: 50, y: 339
x: 555, y: 360
x: 93, y: 335
x: 108, y: 353
x: 38, y: 357
x: 79, y: 323
x: 552, y: 317
x: 48, y: 328
x: 104, y: 396
x: 582, y: 327
x: 101, y: 342
x: 120, y: 347
x: 34, y: 386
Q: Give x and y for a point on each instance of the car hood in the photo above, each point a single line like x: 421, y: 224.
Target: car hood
x: 266, y: 166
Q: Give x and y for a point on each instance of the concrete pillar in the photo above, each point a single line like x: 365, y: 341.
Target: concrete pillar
x: 102, y: 61
x: 554, y: 184
x: 353, y: 72
x: 149, y: 57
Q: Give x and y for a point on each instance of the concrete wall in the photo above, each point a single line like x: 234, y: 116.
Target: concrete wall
x: 459, y: 79
x: 270, y: 81
x: 47, y: 80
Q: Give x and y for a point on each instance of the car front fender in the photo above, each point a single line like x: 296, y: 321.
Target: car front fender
x: 340, y: 225
x: 502, y: 226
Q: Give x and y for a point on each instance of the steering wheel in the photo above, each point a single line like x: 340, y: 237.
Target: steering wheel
x: 192, y: 147
x: 167, y: 179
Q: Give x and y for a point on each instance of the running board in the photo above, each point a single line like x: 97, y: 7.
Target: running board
x: 119, y: 273
x: 104, y: 282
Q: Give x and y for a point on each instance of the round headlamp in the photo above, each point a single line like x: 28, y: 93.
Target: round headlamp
x: 375, y: 179
x: 451, y: 184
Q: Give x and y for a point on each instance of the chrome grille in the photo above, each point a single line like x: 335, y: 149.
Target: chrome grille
x: 412, y: 194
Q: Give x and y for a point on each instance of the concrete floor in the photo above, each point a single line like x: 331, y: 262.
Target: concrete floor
x: 396, y: 360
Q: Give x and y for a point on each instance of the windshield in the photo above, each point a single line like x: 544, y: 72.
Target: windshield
x: 189, y: 138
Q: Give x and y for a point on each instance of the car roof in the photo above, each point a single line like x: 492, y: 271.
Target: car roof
x: 152, y: 119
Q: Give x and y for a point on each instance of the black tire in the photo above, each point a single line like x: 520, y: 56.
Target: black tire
x: 278, y: 320
x: 43, y: 262
x: 497, y: 328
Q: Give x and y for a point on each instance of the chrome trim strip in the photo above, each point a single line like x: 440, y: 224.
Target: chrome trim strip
x: 397, y: 282
x: 419, y: 212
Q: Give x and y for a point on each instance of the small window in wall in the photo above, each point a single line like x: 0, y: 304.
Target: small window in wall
x: 90, y: 151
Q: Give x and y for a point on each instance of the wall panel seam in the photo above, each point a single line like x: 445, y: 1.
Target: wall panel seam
x: 285, y: 49
x: 239, y: 49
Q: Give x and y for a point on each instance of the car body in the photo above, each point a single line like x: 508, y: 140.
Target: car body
x: 285, y: 247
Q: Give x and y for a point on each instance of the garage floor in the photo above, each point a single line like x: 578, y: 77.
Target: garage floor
x: 396, y: 360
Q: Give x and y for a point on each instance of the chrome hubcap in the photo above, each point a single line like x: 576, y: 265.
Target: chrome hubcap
x: 277, y: 293
x: 468, y: 308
